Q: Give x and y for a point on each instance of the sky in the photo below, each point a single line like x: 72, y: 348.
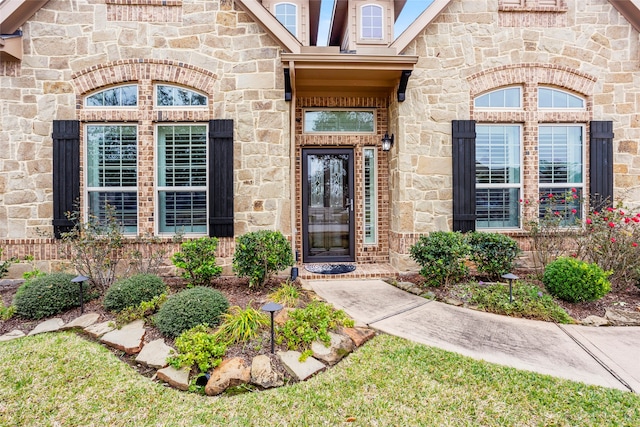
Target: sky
x: 411, y: 10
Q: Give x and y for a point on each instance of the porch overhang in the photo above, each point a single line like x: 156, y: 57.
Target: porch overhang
x: 340, y: 74
x: 14, y: 13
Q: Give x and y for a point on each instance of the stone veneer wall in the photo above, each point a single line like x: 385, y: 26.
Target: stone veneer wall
x: 73, y: 48
x: 584, y: 46
x: 365, y: 253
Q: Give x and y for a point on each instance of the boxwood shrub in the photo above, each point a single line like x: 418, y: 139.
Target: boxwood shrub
x: 48, y: 295
x: 130, y: 292
x: 189, y: 308
x: 573, y: 280
x: 441, y: 256
x: 494, y: 254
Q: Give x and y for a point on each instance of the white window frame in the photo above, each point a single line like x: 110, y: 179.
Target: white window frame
x: 503, y: 88
x: 374, y: 196
x: 178, y: 107
x: 562, y: 109
x: 519, y: 185
x: 295, y: 14
x: 119, y: 107
x: 158, y: 188
x: 91, y: 189
x: 382, y: 22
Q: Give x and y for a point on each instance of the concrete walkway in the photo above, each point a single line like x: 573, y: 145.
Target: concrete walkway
x: 605, y: 356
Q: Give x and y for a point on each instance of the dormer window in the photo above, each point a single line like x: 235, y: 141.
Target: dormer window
x: 371, y: 22
x: 287, y: 14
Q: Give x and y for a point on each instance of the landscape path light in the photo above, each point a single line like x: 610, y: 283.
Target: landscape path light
x: 510, y: 277
x: 80, y: 280
x: 271, y: 307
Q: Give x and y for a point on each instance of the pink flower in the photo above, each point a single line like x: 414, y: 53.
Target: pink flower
x: 609, y: 209
x: 551, y: 195
x: 575, y: 196
x: 638, y: 214
x: 634, y: 244
x: 573, y: 211
x: 613, y: 240
x: 635, y: 219
x: 520, y: 200
x: 627, y: 220
x: 573, y: 190
x: 588, y: 221
x: 621, y: 213
x: 556, y: 213
x: 611, y: 224
x: 595, y: 212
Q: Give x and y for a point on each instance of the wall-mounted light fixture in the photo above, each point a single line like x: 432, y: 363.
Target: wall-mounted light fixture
x: 387, y: 142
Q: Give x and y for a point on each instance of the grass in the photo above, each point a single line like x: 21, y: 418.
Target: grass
x: 62, y: 379
x: 529, y: 301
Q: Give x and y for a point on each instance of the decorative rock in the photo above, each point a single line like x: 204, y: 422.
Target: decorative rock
x: 300, y: 371
x: 178, y: 378
x: 339, y: 347
x: 263, y: 374
x: 594, y: 321
x: 127, y: 339
x: 622, y: 318
x: 50, y: 325
x: 16, y: 333
x: 100, y: 329
x: 359, y: 336
x: 154, y: 354
x: 83, y: 321
x: 282, y: 316
x: 453, y: 301
x: 230, y: 373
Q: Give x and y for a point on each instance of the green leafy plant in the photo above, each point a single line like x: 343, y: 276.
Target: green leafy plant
x: 441, y: 256
x: 189, y: 308
x: 198, y: 346
x: 611, y: 239
x: 529, y: 301
x: 6, y: 312
x: 131, y: 291
x: 260, y: 254
x: 142, y: 311
x: 198, y: 260
x: 240, y: 325
x: 95, y: 247
x: 493, y: 253
x: 288, y: 294
x: 309, y: 324
x: 4, y: 265
x: 48, y: 295
x: 574, y: 280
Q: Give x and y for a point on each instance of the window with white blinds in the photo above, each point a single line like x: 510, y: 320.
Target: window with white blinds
x: 498, y: 176
x: 112, y: 174
x: 182, y: 178
x: 370, y: 196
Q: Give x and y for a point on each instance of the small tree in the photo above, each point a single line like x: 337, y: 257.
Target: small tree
x: 259, y: 254
x: 198, y: 260
x: 95, y: 247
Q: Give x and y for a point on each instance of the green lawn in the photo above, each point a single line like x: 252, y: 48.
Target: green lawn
x: 63, y: 380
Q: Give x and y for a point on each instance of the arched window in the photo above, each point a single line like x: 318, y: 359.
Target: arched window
x: 558, y: 99
x: 118, y: 96
x: 371, y: 22
x: 510, y: 97
x: 176, y: 96
x: 287, y: 14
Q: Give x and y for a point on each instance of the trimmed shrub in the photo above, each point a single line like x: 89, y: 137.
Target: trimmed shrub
x: 198, y: 260
x: 48, y: 295
x: 189, y: 308
x: 198, y: 346
x: 573, y: 280
x: 441, y: 256
x: 132, y: 291
x: 259, y: 254
x: 494, y: 254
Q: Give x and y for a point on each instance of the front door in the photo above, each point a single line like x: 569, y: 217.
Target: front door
x: 327, y: 205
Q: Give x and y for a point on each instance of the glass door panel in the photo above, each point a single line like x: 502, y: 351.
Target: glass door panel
x: 328, y: 226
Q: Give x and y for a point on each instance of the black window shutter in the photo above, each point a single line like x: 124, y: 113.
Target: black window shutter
x: 464, y: 175
x: 66, y: 173
x: 601, y: 164
x: 221, y: 178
